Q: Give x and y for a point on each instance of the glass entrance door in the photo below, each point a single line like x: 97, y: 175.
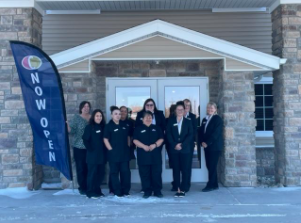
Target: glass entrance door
x: 132, y: 92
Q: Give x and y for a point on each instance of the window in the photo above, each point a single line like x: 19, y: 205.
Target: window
x: 264, y: 107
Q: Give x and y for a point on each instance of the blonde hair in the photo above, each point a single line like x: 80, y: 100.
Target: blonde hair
x: 214, y: 105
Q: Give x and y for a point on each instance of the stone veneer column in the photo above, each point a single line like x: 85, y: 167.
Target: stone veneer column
x: 236, y: 107
x: 17, y: 167
x: 286, y: 21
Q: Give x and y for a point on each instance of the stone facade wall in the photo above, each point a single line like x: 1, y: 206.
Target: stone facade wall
x: 236, y: 107
x: 17, y: 167
x: 287, y: 94
x: 265, y: 158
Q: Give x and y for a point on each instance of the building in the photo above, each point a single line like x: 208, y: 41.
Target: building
x: 244, y: 55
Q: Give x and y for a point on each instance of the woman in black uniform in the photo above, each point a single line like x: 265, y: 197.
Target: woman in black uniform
x: 149, y: 139
x: 158, y: 116
x: 117, y: 141
x: 211, y: 138
x: 96, y: 153
x: 180, y: 138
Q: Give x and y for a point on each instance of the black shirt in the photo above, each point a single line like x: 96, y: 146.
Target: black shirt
x: 159, y: 117
x: 147, y: 136
x: 93, y: 141
x: 118, y: 138
x: 130, y: 125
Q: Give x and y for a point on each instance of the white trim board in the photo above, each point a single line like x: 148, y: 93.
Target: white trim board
x: 170, y: 31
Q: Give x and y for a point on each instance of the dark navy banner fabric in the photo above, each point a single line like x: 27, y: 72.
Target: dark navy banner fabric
x: 45, y: 106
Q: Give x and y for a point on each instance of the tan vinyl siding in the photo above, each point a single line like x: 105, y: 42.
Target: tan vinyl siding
x: 61, y: 32
x: 238, y: 65
x: 82, y: 66
x: 158, y: 47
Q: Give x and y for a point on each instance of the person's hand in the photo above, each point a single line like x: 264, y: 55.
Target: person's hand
x: 152, y: 147
x: 178, y: 146
x: 204, y: 145
x: 146, y: 148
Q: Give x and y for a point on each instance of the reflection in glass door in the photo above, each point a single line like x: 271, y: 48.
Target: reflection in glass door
x: 133, y: 98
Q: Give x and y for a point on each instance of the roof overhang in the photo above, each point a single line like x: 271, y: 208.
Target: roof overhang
x: 173, y: 32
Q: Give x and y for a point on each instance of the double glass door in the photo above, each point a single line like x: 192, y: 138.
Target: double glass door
x: 132, y: 92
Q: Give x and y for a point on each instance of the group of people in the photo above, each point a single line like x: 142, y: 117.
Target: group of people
x: 96, y: 142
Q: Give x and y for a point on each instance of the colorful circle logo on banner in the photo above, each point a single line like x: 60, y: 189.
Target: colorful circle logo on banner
x: 31, y: 62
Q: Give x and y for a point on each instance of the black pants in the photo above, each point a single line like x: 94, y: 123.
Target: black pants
x: 120, y: 185
x: 81, y: 168
x: 95, y: 176
x: 190, y: 169
x: 151, y: 178
x: 212, y: 158
x: 181, y: 166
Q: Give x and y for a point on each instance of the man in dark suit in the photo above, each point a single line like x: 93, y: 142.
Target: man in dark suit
x: 211, y: 138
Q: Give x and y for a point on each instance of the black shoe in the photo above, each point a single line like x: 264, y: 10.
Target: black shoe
x: 208, y: 189
x: 177, y: 195
x: 82, y: 192
x: 126, y: 195
x: 101, y: 194
x: 146, y: 195
x: 118, y: 195
x: 181, y: 194
x: 95, y: 197
x: 158, y: 195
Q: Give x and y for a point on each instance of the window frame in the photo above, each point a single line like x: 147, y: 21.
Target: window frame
x: 264, y: 80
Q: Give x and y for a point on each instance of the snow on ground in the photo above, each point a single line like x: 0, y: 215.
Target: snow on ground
x: 66, y: 192
x: 135, y: 197
x: 18, y: 193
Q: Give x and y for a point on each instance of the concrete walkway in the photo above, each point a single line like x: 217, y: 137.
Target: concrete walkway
x: 260, y: 205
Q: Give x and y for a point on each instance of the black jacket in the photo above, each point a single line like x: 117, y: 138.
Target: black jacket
x: 118, y: 138
x: 159, y: 116
x: 185, y: 137
x: 147, y: 136
x: 93, y: 141
x: 214, y: 134
x: 192, y: 118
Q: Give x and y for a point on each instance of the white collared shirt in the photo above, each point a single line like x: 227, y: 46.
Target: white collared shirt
x: 208, y: 117
x: 180, y: 125
x: 154, y: 119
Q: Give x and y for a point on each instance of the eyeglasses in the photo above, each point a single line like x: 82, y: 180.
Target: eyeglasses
x: 149, y: 105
